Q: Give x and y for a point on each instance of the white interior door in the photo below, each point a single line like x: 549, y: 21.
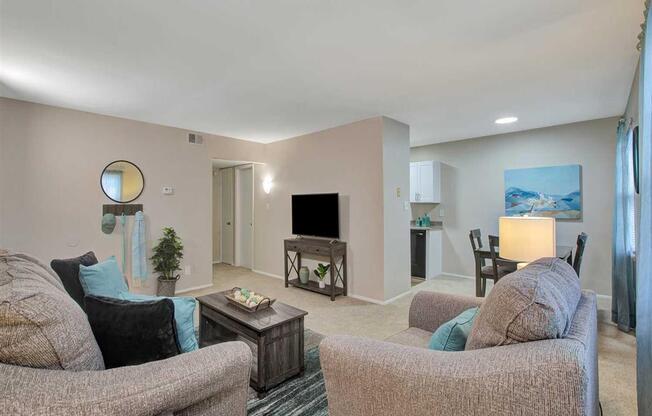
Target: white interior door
x: 228, y: 236
x: 244, y: 217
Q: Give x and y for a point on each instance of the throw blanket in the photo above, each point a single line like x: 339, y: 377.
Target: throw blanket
x: 138, y: 248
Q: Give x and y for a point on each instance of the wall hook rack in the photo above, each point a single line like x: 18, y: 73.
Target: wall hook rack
x: 119, y: 209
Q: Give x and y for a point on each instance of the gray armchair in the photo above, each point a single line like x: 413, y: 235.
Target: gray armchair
x: 209, y: 381
x: 403, y: 377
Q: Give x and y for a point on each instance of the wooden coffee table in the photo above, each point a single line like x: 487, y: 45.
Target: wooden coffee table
x: 275, y: 336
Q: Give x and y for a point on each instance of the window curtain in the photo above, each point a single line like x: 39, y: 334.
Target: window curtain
x: 623, y: 282
x: 644, y: 248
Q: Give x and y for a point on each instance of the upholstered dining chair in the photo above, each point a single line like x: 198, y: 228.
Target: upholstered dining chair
x: 579, y: 252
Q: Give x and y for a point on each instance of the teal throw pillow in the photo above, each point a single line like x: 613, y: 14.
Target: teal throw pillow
x: 451, y: 336
x: 102, y: 279
x: 184, y: 314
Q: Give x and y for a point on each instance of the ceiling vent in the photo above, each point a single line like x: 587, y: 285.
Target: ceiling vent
x: 195, y: 138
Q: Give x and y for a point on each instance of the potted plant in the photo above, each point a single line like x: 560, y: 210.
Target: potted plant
x: 321, y: 271
x: 167, y: 261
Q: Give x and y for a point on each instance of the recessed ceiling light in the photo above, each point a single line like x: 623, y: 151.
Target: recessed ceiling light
x: 507, y: 120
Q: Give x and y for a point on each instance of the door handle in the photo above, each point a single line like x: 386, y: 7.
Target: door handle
x: 228, y: 223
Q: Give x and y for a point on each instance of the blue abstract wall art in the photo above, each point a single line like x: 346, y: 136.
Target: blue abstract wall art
x: 552, y: 191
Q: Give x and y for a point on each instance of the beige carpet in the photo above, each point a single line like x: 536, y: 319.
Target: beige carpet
x: 617, y: 351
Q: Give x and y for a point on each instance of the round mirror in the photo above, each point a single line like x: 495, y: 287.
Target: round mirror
x: 122, y: 181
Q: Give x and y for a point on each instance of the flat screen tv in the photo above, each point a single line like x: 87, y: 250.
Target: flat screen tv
x: 316, y: 215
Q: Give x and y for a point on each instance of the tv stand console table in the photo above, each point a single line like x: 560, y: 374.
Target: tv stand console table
x: 334, y: 250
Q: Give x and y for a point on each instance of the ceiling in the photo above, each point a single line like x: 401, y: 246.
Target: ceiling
x: 265, y: 70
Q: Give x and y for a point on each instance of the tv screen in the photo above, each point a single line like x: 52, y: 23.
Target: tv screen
x: 316, y: 215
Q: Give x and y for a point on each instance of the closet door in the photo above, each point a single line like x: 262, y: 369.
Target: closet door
x: 228, y: 230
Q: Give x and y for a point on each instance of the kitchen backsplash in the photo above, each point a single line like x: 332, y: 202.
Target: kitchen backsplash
x: 432, y: 210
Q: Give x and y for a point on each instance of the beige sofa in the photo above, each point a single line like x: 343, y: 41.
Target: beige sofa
x: 403, y: 377
x: 50, y: 363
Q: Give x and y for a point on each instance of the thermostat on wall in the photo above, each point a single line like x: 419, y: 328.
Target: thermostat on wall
x: 168, y: 190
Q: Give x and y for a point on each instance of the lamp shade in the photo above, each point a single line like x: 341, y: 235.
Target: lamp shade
x: 526, y: 239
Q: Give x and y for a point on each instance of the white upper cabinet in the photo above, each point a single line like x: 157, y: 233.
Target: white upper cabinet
x: 425, y: 182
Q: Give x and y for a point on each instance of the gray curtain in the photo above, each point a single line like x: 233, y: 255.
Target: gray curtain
x: 623, y: 283
x: 644, y: 248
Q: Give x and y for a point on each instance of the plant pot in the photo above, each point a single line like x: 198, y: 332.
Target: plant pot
x: 322, y: 284
x: 166, y: 287
x: 304, y: 275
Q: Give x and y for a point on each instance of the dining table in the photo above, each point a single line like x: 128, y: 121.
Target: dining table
x: 562, y: 252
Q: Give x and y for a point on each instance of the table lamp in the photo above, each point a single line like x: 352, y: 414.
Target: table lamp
x: 525, y: 239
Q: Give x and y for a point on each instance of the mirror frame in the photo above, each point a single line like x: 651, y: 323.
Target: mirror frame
x: 139, y: 171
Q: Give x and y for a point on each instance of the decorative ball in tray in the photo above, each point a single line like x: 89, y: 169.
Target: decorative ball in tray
x: 248, y: 300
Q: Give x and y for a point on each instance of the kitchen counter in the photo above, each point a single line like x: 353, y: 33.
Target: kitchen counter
x: 435, y: 225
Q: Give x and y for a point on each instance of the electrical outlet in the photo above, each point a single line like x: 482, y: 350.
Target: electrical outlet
x: 167, y: 190
x: 187, y: 270
x: 406, y: 205
x: 441, y: 212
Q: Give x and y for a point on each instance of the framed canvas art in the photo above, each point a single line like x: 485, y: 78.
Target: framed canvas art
x: 551, y: 191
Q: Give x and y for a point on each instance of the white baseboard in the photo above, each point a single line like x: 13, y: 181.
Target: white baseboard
x: 463, y: 276
x: 190, y: 289
x: 267, y: 274
x: 380, y: 302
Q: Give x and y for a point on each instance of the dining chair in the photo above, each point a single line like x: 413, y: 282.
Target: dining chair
x: 499, y: 266
x: 579, y: 252
x: 483, y: 271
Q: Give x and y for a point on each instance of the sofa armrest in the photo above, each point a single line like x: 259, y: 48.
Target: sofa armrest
x: 184, y: 384
x: 431, y: 309
x: 368, y: 377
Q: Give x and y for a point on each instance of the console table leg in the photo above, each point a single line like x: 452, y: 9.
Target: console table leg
x: 286, y: 268
x: 345, y: 281
x: 332, y: 268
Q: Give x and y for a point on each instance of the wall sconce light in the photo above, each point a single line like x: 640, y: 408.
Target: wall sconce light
x: 267, y: 185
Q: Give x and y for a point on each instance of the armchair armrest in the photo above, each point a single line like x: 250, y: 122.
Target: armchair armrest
x: 368, y: 377
x: 429, y: 310
x: 212, y: 380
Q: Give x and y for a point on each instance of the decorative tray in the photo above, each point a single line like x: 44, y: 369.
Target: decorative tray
x: 248, y: 300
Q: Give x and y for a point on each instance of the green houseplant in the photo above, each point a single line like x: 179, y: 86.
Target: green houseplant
x: 167, y: 261
x: 321, y: 271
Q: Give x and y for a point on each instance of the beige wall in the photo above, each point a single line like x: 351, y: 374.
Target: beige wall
x: 472, y: 189
x: 396, y: 193
x: 51, y: 201
x: 50, y: 204
x: 345, y: 159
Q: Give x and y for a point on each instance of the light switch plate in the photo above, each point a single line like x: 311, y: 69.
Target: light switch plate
x: 187, y: 270
x: 406, y: 205
x: 441, y: 212
x: 398, y: 192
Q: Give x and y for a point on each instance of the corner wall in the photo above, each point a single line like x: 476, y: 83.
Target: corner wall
x: 396, y: 193
x: 345, y: 159
x: 473, y: 189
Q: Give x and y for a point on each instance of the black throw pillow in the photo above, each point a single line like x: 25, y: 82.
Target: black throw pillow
x: 131, y: 333
x: 68, y: 271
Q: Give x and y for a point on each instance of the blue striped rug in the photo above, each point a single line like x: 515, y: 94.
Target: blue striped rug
x: 305, y: 395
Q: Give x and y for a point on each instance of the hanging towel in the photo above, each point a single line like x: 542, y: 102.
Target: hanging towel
x: 123, y: 224
x: 138, y: 248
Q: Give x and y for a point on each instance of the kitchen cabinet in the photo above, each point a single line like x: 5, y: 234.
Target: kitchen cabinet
x: 425, y: 182
x: 425, y: 250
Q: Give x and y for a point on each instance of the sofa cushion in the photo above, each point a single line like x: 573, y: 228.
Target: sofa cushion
x: 452, y: 335
x: 103, y: 279
x: 537, y: 302
x: 40, y: 324
x: 132, y: 333
x: 68, y: 271
x: 412, y: 337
